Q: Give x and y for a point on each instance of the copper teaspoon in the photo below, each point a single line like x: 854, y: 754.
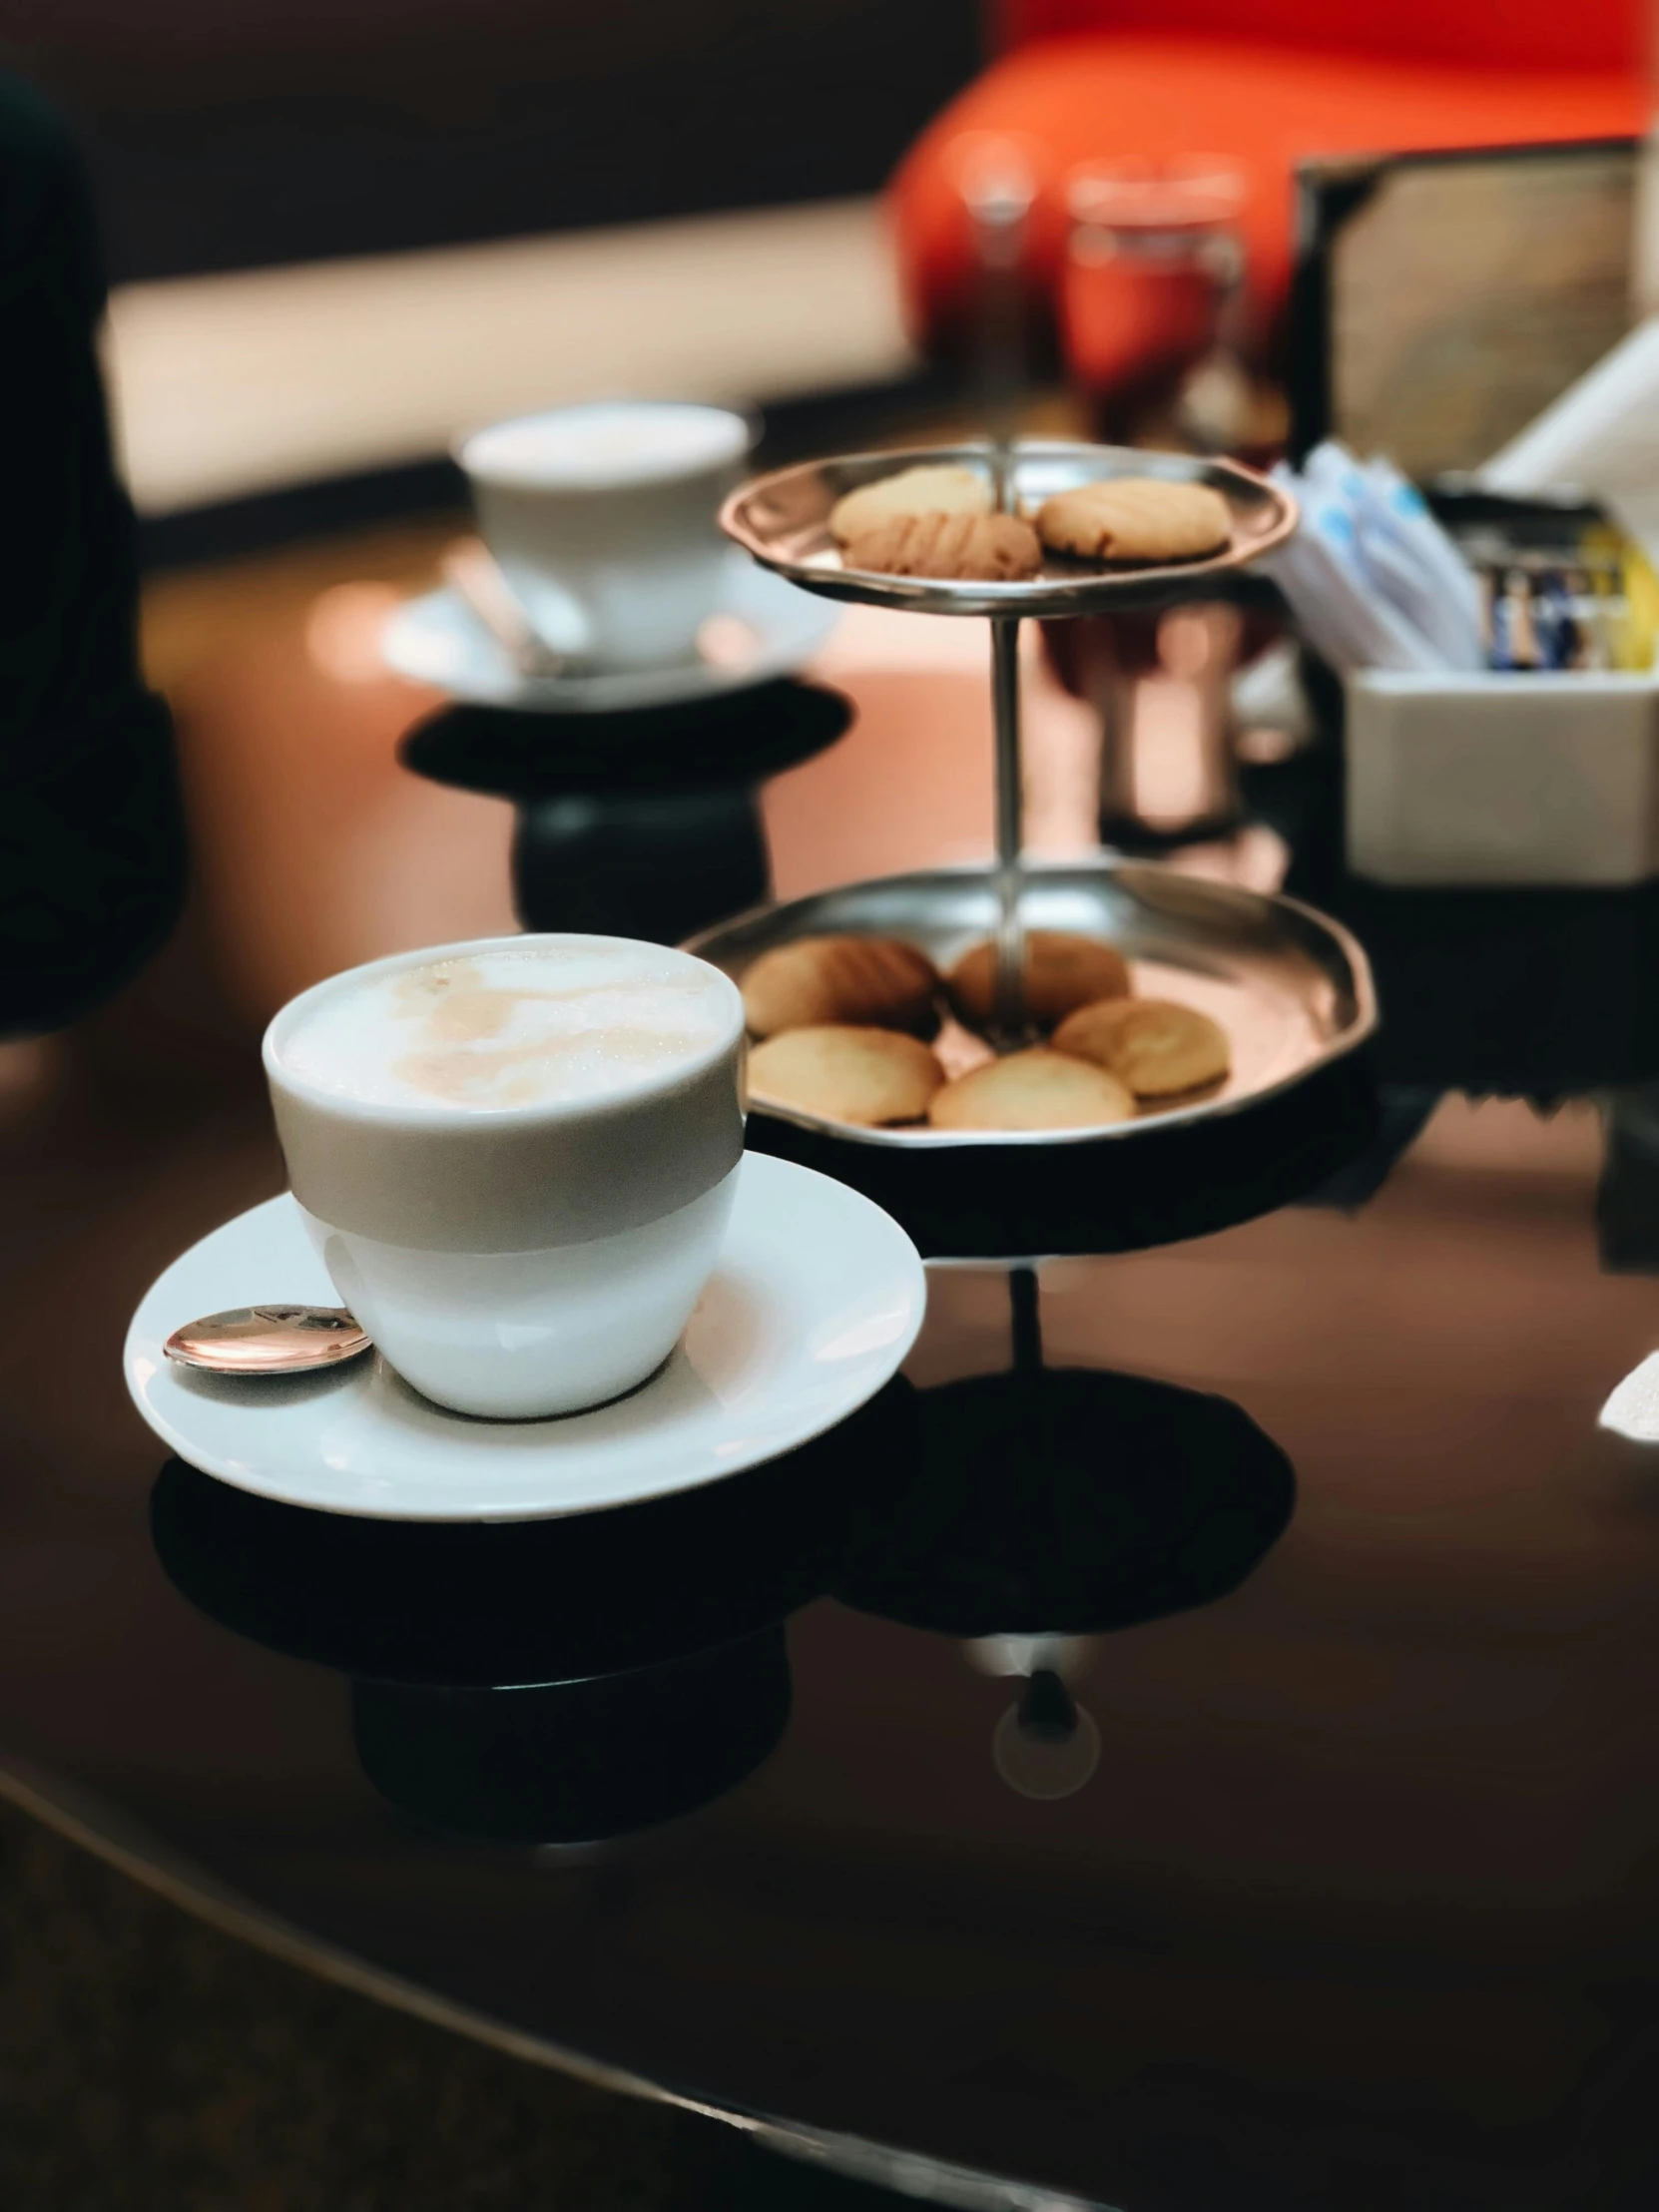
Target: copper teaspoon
x: 267, y: 1340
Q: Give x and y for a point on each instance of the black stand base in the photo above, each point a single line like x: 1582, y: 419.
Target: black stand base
x: 637, y: 824
x: 659, y: 864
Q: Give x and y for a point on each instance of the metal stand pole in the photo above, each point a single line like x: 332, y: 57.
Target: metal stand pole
x: 1025, y: 1329
x: 1009, y: 1021
x: 1001, y: 191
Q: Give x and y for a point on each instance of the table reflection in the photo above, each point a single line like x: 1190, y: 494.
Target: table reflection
x: 550, y: 1681
x: 575, y: 1761
x: 572, y: 1680
x: 540, y: 1601
x: 1065, y: 1501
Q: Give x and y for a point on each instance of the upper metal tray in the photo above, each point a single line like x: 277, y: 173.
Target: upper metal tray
x: 1291, y: 988
x: 784, y: 521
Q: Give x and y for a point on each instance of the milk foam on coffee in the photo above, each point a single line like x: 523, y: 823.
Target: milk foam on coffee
x: 609, y: 444
x: 504, y: 1029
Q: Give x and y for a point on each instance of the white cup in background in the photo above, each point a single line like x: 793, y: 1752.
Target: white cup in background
x: 522, y: 1211
x: 602, y: 519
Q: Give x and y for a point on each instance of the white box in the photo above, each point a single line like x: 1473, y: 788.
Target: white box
x: 1502, y: 779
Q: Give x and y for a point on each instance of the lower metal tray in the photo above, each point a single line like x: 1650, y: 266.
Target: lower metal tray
x: 1291, y: 988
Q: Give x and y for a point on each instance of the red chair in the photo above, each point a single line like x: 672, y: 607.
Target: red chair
x: 1267, y: 83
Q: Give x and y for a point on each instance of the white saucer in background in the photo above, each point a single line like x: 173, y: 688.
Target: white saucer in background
x: 764, y: 628
x: 815, y: 1301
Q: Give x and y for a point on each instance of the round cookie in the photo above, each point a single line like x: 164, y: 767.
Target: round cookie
x: 999, y: 549
x: 1038, y: 1089
x: 868, y: 1076
x: 1158, y: 1048
x: 936, y: 488
x: 876, y: 980
x: 1136, y: 518
x: 1062, y: 972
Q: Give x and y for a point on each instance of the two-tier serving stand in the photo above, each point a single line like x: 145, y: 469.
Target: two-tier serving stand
x: 1289, y: 985
x: 1294, y: 980
x: 784, y: 520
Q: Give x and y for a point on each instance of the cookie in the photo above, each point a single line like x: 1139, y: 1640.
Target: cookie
x: 1000, y: 549
x: 934, y: 489
x: 1136, y: 518
x: 868, y: 1076
x: 1062, y: 972
x: 877, y: 980
x: 1157, y: 1048
x: 1038, y: 1089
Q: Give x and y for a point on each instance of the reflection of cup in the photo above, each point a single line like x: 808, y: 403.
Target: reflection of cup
x: 602, y: 519
x: 517, y: 1158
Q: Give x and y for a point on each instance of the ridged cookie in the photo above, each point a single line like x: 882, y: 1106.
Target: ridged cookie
x: 868, y: 1076
x: 998, y: 549
x: 936, y: 488
x: 1038, y: 1089
x: 1159, y: 1049
x: 877, y: 980
x: 1062, y: 972
x: 1136, y: 518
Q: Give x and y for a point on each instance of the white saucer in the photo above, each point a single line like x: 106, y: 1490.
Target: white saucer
x: 816, y: 1300
x: 439, y: 639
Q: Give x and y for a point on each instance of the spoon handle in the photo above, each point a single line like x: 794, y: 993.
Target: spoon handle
x: 474, y: 577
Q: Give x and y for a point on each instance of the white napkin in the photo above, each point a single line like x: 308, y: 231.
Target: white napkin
x: 1633, y: 1408
x: 1372, y: 578
x: 1600, y: 436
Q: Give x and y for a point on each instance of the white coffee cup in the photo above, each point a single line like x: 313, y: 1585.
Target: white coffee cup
x: 541, y: 1252
x: 602, y: 519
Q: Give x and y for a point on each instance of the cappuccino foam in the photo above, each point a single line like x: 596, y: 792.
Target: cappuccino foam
x: 502, y: 1029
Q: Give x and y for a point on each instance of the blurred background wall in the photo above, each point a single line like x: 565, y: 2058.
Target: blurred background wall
x: 227, y: 134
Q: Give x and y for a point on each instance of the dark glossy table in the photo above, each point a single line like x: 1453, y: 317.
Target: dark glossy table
x: 1193, y: 1743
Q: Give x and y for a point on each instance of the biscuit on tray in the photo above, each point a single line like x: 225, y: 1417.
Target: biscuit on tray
x: 874, y: 981
x: 1062, y: 972
x: 1136, y: 518
x: 868, y: 1076
x: 1158, y: 1048
x: 997, y: 549
x: 1038, y: 1089
x: 936, y: 488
